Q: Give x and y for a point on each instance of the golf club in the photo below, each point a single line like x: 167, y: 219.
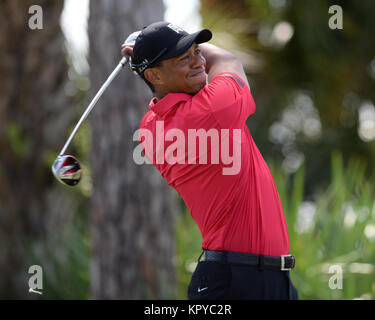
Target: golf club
x: 66, y: 168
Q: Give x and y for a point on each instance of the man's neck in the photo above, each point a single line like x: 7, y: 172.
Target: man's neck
x: 160, y: 93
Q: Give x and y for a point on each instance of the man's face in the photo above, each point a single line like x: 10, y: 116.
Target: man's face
x: 184, y: 73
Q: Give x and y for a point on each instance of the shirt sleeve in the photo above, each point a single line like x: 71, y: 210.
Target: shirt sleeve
x: 228, y: 98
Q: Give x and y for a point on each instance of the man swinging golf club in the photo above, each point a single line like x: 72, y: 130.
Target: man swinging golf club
x: 199, y: 87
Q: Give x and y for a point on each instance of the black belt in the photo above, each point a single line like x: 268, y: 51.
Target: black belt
x: 283, y: 263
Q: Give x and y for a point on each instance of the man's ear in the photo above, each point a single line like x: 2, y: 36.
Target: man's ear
x: 153, y: 75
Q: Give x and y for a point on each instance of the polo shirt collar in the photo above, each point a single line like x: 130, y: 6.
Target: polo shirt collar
x: 168, y: 102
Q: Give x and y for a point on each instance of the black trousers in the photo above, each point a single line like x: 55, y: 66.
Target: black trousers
x: 213, y: 280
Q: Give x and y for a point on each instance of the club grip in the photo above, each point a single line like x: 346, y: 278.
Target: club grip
x: 132, y: 37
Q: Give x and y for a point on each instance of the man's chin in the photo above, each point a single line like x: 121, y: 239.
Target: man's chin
x: 199, y: 87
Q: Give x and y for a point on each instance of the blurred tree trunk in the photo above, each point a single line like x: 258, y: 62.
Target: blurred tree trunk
x: 34, y: 114
x: 132, y: 206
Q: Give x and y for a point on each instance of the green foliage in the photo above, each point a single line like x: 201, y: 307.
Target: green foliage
x: 82, y: 144
x: 65, y: 261
x: 188, y: 247
x: 17, y: 140
x: 340, y: 233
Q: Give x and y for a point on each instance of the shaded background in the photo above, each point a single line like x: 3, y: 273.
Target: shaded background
x: 122, y: 233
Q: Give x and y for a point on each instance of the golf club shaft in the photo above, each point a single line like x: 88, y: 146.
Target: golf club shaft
x: 114, y: 73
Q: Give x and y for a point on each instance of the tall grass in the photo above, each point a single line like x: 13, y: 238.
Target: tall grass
x: 333, y: 232
x: 65, y: 261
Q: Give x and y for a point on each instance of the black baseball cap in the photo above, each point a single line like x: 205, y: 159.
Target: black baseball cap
x: 163, y: 40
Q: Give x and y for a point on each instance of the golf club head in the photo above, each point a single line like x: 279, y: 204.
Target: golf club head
x: 67, y: 170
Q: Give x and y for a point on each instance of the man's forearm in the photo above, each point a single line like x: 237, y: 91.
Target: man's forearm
x: 214, y: 54
x: 220, y: 60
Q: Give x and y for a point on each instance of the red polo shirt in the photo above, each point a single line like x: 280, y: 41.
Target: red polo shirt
x: 227, y: 186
